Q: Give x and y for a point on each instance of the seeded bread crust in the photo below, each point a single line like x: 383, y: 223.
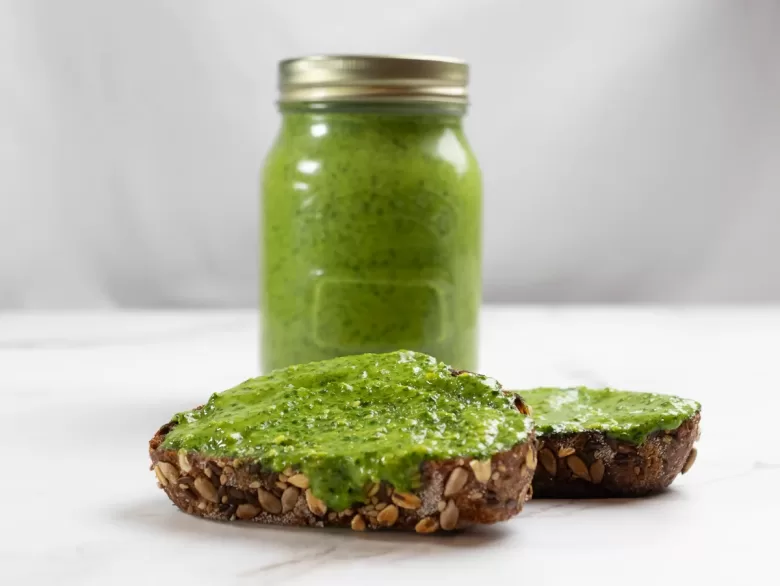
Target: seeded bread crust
x: 453, y: 494
x: 592, y: 465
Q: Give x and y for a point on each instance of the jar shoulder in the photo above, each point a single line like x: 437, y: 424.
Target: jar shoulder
x: 319, y: 149
x: 439, y: 159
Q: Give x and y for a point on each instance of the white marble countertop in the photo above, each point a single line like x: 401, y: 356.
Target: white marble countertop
x: 82, y: 393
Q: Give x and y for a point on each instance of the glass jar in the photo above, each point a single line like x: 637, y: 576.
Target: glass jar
x: 371, y: 213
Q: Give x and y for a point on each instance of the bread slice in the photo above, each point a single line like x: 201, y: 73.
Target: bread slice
x: 449, y: 493
x: 602, y: 451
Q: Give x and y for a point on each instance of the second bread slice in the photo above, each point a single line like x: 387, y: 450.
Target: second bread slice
x: 607, y: 443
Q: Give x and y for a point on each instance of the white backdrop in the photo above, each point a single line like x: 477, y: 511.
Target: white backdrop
x: 631, y: 150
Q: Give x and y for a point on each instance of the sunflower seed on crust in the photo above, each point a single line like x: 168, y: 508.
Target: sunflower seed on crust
x: 530, y: 458
x: 316, y: 506
x: 597, y: 472
x: 289, y: 498
x: 269, y: 501
x: 578, y: 467
x: 388, y: 516
x: 247, y: 511
x: 565, y: 451
x: 689, y: 460
x: 169, y: 471
x: 456, y: 481
x: 160, y: 476
x: 358, y: 523
x: 299, y: 480
x: 205, y: 489
x: 184, y: 463
x: 406, y: 500
x: 448, y: 519
x: 547, y: 458
x: 426, y: 525
x: 481, y: 469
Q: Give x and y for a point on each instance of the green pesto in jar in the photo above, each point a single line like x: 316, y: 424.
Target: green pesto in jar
x: 371, y: 236
x: 353, y: 420
x: 624, y: 415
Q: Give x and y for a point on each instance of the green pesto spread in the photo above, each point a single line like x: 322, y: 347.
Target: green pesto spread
x: 371, y: 228
x: 624, y: 415
x: 349, y: 421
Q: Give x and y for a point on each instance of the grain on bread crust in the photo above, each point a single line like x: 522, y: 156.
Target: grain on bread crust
x: 453, y: 494
x: 590, y: 464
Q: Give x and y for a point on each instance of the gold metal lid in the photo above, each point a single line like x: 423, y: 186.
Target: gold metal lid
x: 368, y: 78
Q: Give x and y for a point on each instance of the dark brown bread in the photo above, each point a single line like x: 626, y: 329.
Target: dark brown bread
x: 592, y: 465
x: 454, y: 493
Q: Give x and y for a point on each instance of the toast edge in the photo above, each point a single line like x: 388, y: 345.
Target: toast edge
x: 453, y: 494
x: 592, y: 465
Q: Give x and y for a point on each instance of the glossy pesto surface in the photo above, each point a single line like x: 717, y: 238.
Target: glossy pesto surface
x: 371, y: 237
x: 354, y: 420
x: 624, y: 415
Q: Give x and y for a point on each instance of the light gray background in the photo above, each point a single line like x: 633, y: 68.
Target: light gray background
x: 631, y: 150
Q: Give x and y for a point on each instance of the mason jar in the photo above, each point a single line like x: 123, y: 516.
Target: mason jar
x: 371, y: 212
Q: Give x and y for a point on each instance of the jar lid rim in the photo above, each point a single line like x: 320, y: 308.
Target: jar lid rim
x: 402, y: 78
